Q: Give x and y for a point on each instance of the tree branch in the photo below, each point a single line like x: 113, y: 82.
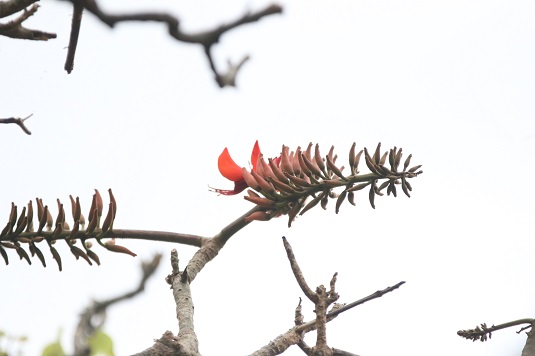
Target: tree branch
x: 18, y: 121
x: 205, y: 38
x: 293, y: 336
x: 14, y: 28
x: 94, y: 315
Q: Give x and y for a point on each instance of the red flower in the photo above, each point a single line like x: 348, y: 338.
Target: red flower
x: 230, y: 170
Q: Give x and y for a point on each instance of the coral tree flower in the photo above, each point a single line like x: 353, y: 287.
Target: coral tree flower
x: 230, y: 170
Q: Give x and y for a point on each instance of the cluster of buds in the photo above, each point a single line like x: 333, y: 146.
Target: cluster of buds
x: 481, y: 333
x: 20, y: 231
x: 298, y: 181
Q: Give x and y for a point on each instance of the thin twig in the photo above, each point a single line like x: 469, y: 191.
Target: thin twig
x: 94, y: 315
x: 294, y: 335
x: 205, y: 38
x: 19, y: 121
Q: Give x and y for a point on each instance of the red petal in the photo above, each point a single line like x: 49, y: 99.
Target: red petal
x: 228, y: 168
x: 254, y: 155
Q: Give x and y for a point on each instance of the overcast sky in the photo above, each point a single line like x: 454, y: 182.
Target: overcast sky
x: 451, y: 82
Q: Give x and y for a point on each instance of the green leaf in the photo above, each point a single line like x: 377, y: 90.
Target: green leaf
x: 53, y: 349
x: 101, y: 344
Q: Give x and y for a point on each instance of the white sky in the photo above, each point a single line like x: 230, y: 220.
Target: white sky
x: 452, y: 82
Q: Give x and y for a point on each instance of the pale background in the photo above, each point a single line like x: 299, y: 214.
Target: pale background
x: 452, y: 82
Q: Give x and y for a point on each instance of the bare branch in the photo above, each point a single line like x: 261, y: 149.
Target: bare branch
x: 77, y: 10
x: 94, y: 315
x: 205, y: 38
x: 14, y: 28
x: 10, y: 7
x: 297, y: 272
x: 294, y: 335
x: 19, y: 121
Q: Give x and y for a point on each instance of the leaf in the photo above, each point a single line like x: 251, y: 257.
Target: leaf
x: 100, y: 344
x: 53, y: 349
